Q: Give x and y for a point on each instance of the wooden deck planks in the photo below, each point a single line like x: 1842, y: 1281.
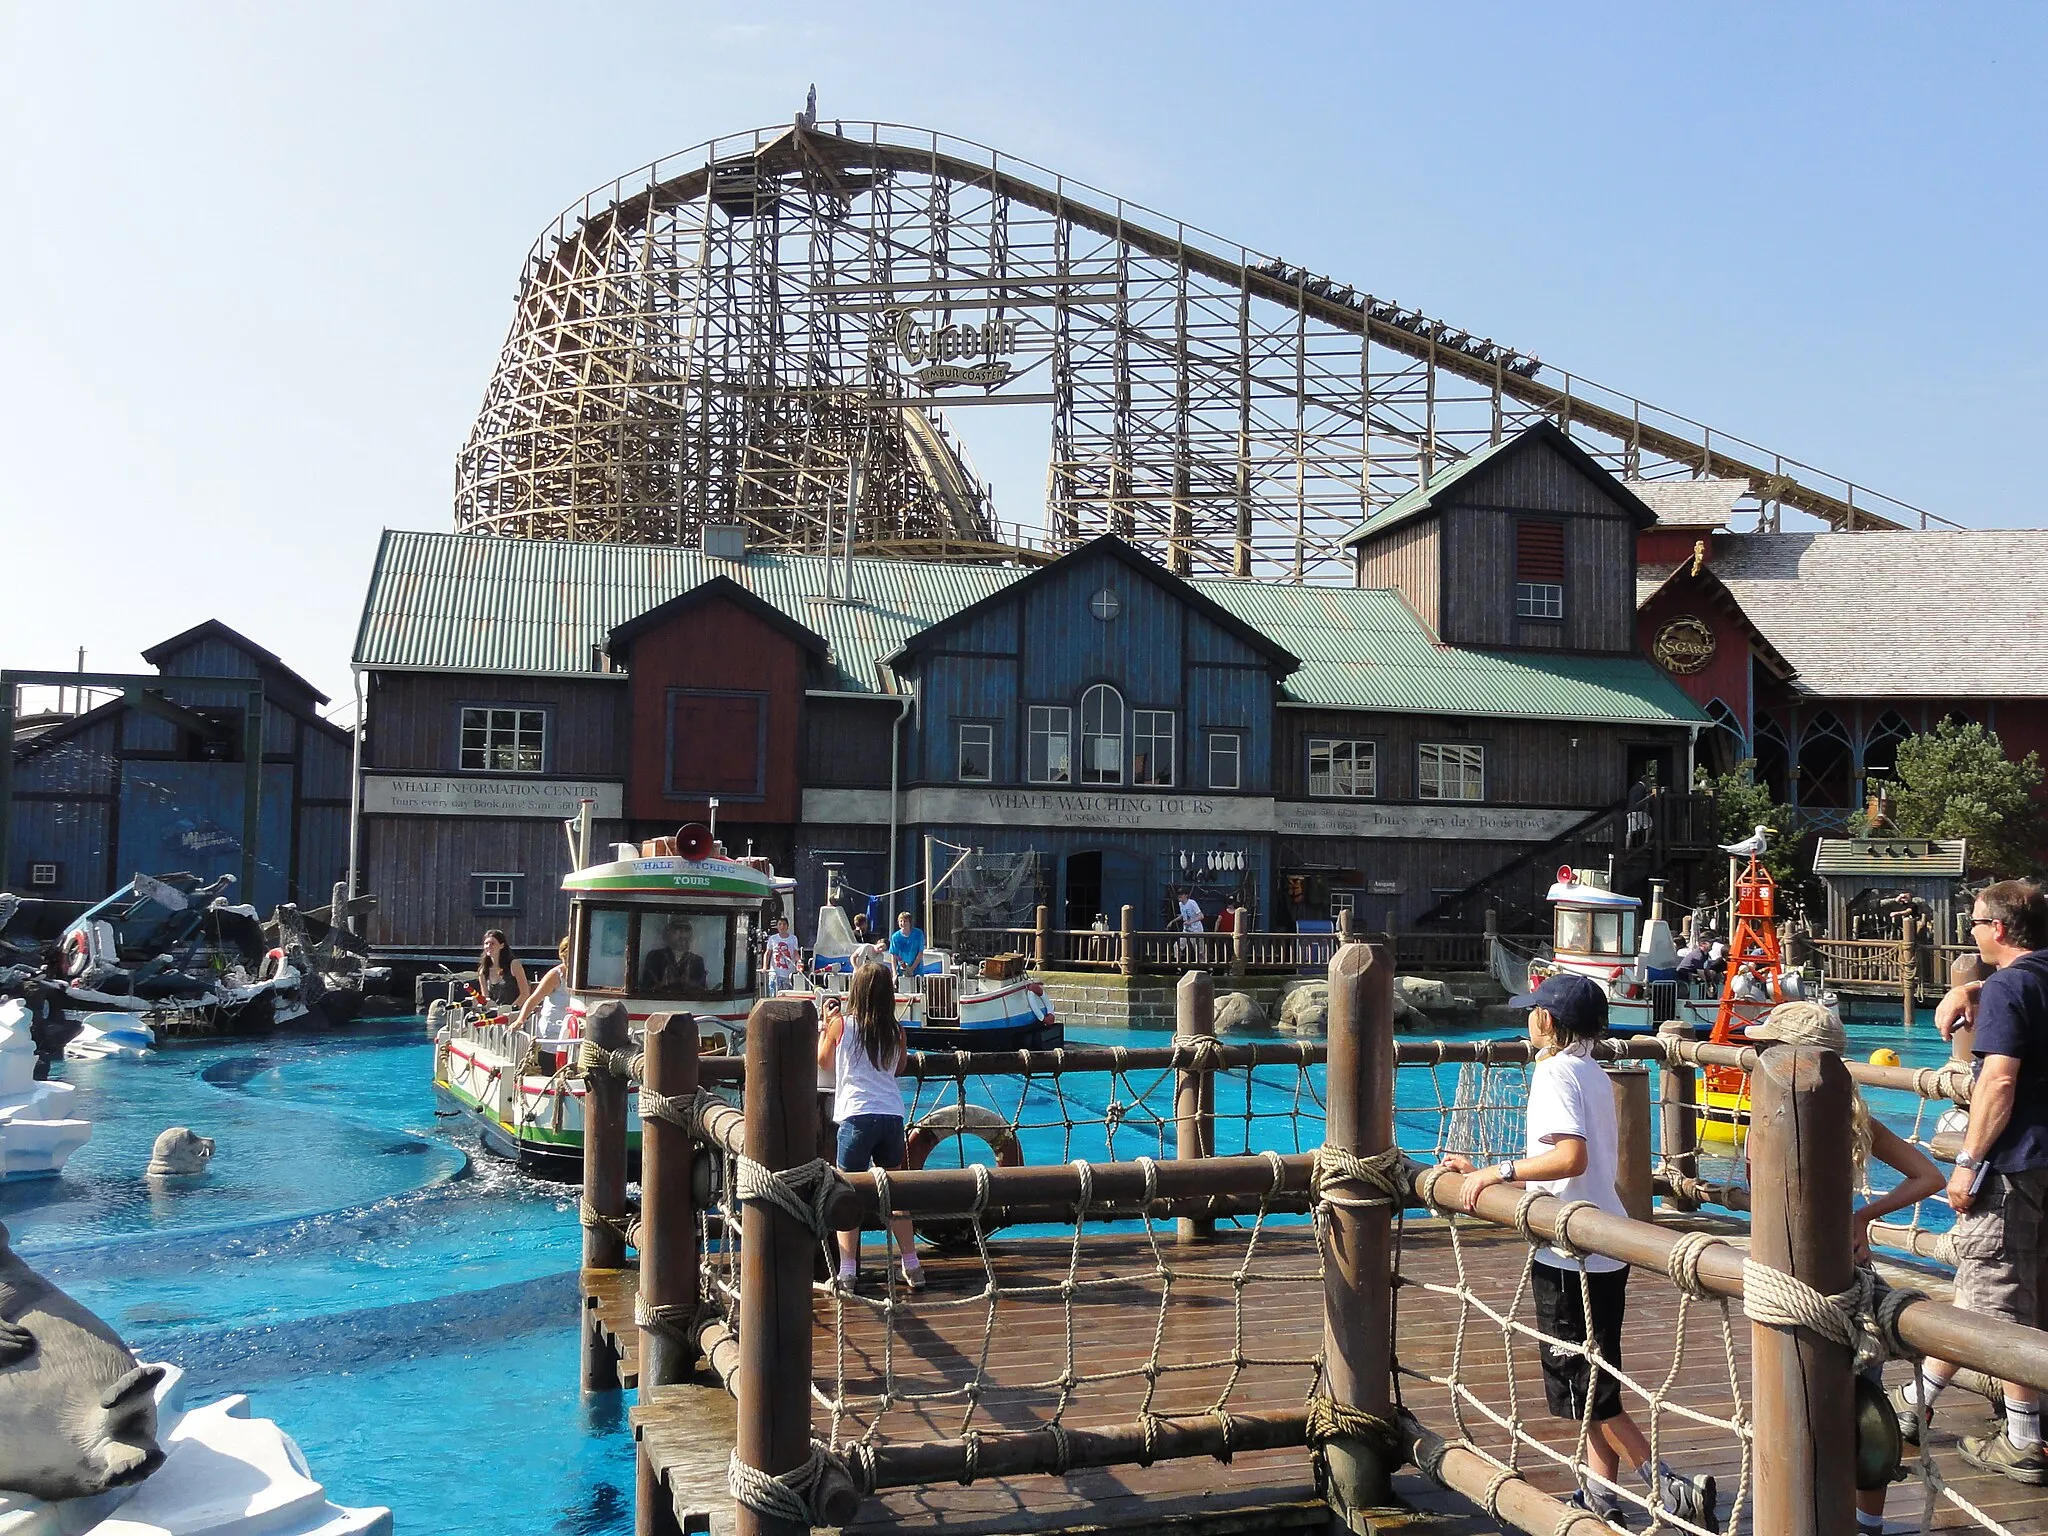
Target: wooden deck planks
x: 938, y: 1340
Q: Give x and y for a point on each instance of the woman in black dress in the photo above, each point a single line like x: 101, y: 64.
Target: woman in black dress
x: 499, y: 975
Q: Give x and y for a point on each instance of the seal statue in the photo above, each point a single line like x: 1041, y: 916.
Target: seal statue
x: 179, y: 1153
x: 77, y: 1414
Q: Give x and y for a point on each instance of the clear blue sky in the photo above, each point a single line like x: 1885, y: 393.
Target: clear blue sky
x: 259, y: 259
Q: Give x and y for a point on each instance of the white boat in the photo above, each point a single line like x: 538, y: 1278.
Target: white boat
x: 225, y: 1473
x: 1594, y: 935
x: 37, y: 1135
x: 656, y: 929
x: 111, y: 1037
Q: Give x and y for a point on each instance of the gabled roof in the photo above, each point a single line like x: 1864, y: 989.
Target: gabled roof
x: 1905, y: 858
x: 619, y: 643
x: 268, y: 664
x: 1149, y: 570
x: 471, y: 603
x: 1653, y: 579
x: 1702, y: 503
x: 1958, y: 614
x: 1426, y: 497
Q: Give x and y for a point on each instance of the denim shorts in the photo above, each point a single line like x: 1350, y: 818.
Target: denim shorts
x: 868, y: 1141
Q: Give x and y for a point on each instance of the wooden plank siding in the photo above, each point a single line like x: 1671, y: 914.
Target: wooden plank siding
x: 1408, y: 560
x: 416, y: 721
x: 1528, y: 762
x: 1479, y: 570
x: 420, y: 869
x: 846, y: 742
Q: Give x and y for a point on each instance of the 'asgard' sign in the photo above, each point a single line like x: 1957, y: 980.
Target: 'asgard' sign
x: 397, y: 794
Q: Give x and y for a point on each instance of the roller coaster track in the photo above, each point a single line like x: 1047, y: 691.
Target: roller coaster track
x: 805, y: 172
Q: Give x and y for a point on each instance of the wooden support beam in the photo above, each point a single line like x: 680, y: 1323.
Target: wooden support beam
x: 604, y: 1179
x: 1194, y: 1096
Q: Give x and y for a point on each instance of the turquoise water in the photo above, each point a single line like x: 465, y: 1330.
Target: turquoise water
x: 386, y: 1291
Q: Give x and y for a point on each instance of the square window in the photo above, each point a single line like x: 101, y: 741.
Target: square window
x: 497, y: 894
x: 1446, y: 771
x: 1152, y: 747
x: 1051, y: 732
x: 977, y: 753
x: 42, y: 874
x: 1539, y: 600
x: 1347, y: 769
x: 504, y: 740
x: 1226, y: 761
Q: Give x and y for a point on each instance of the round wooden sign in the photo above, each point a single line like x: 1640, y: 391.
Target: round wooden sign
x: 1684, y: 646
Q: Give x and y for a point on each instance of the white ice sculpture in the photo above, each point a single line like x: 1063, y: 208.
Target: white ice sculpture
x: 36, y: 1134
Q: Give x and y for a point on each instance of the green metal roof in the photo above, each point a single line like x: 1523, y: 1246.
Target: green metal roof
x: 1423, y: 498
x: 1365, y: 649
x: 472, y: 603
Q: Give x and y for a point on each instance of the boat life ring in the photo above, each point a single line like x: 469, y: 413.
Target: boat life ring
x: 957, y: 1122
x: 77, y: 954
x: 273, y: 962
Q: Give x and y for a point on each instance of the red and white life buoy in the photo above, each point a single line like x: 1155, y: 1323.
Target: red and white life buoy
x: 273, y: 962
x: 947, y: 1123
x: 77, y: 953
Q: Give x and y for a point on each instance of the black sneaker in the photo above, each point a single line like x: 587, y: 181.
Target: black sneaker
x: 1690, y: 1498
x: 1614, y: 1514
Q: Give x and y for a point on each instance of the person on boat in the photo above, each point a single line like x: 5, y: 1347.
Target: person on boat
x: 862, y: 932
x: 676, y: 969
x: 1814, y: 1024
x: 1573, y: 1150
x: 865, y: 1055
x: 549, y: 998
x: 2000, y: 1186
x: 784, y: 957
x: 499, y: 975
x: 906, y: 946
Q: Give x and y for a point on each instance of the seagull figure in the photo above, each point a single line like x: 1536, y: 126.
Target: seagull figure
x: 1750, y: 847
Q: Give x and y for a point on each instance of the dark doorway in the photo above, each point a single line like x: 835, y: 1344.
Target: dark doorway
x: 1084, y: 889
x: 1642, y: 758
x: 1104, y: 880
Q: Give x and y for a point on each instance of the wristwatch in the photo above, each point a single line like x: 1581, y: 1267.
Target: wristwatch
x: 1507, y: 1170
x: 1964, y: 1160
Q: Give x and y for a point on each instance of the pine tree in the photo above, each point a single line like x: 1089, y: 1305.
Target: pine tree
x: 1956, y: 781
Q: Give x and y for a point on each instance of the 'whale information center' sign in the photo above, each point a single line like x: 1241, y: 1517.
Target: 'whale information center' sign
x: 398, y: 794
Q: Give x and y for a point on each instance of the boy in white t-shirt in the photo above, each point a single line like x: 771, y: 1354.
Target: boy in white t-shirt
x: 784, y: 958
x: 1571, y: 1154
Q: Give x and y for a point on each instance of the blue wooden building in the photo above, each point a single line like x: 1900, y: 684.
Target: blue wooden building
x: 113, y: 791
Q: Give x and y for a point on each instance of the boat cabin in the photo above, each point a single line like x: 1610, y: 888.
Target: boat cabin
x: 1593, y: 923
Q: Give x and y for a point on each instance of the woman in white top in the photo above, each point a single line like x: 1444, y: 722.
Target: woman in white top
x: 550, y: 997
x: 867, y: 1101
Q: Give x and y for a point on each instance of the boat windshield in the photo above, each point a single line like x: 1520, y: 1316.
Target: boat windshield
x: 1580, y: 932
x: 668, y: 952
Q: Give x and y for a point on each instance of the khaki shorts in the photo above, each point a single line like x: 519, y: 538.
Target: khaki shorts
x: 1999, y: 1247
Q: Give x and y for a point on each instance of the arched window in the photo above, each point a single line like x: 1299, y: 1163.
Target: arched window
x: 1826, y: 763
x: 1722, y: 747
x: 1881, y: 748
x: 1102, y: 735
x: 1773, y: 757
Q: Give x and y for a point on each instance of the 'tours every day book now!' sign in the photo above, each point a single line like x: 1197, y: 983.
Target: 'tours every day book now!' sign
x: 404, y: 794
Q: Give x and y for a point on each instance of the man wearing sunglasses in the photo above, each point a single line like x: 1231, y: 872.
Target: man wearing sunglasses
x: 2000, y: 1186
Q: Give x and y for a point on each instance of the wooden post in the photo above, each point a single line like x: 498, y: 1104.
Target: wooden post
x: 1127, y: 943
x: 1194, y: 1094
x: 1240, y: 941
x: 1801, y: 1188
x: 668, y: 1215
x: 1357, y: 1279
x: 1908, y: 965
x: 1343, y: 926
x: 1633, y: 1174
x: 1678, y: 1093
x: 1039, y: 941
x: 604, y: 1179
x: 774, y: 1425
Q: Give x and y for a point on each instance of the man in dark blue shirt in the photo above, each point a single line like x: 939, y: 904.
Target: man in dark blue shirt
x: 2000, y: 1187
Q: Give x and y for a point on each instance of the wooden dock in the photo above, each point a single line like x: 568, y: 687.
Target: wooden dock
x: 938, y: 1342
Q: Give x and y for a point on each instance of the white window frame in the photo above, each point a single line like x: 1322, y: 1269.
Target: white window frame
x: 499, y: 891
x: 1456, y: 765
x: 1235, y: 754
x: 1539, y: 600
x: 1360, y: 762
x: 983, y: 735
x: 43, y: 872
x: 1098, y: 699
x: 1051, y: 724
x: 1153, y: 738
x: 502, y: 738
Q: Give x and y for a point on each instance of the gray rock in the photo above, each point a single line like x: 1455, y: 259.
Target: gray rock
x: 77, y: 1413
x: 1422, y: 992
x: 1305, y: 1010
x: 179, y: 1153
x: 1239, y: 1013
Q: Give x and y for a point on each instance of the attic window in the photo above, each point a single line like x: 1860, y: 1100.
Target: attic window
x: 1539, y: 570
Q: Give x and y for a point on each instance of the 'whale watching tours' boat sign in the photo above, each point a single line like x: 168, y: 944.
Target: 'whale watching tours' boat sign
x: 391, y: 794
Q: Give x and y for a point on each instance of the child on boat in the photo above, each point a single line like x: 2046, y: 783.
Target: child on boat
x: 867, y: 1099
x: 1919, y: 1179
x: 1572, y: 1151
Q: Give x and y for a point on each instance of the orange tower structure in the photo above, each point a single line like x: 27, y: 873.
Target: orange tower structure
x: 1754, y: 981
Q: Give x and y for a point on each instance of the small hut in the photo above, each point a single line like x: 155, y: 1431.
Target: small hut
x: 1874, y: 883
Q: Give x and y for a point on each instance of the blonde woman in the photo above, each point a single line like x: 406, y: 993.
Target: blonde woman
x: 1919, y: 1179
